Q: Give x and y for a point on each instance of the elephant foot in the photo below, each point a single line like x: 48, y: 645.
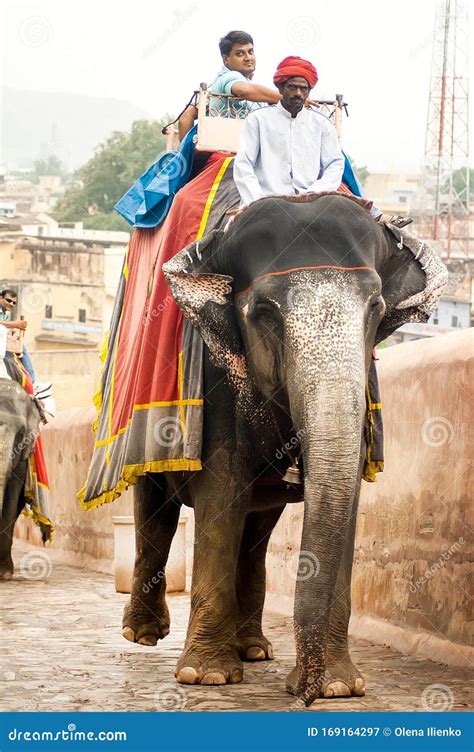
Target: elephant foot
x: 341, y: 679
x: 254, y: 648
x: 145, y: 626
x: 215, y: 665
x: 6, y: 570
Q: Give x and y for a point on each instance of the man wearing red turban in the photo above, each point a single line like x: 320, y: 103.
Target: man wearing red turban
x: 288, y: 148
x: 295, y: 66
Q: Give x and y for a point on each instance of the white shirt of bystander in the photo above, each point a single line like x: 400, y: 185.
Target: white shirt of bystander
x: 280, y: 155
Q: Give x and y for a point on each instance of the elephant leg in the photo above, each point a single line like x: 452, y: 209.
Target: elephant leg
x: 146, y: 616
x: 11, y: 510
x: 342, y: 678
x: 251, y: 643
x: 220, y: 508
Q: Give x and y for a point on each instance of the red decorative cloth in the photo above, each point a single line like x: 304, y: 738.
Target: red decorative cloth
x: 37, y: 486
x: 295, y: 66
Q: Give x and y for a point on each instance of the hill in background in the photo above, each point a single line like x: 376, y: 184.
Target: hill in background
x: 37, y: 124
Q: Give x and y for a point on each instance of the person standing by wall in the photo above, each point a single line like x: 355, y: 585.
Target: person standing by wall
x: 8, y: 302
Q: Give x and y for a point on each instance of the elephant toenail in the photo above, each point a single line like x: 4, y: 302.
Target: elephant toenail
x: 187, y: 675
x: 337, y: 689
x: 216, y: 677
x: 236, y: 676
x: 129, y: 634
x: 270, y: 652
x: 148, y: 639
x: 359, y: 688
x: 255, y: 653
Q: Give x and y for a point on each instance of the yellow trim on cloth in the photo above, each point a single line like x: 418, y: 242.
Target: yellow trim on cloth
x: 33, y: 510
x: 97, y: 396
x: 371, y: 467
x: 130, y: 473
x: 211, y: 197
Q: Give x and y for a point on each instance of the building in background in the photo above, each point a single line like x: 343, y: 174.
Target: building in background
x: 66, y: 279
x: 393, y: 193
x: 400, y: 193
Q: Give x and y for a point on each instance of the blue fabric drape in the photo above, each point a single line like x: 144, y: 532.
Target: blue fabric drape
x: 148, y: 201
x: 349, y: 177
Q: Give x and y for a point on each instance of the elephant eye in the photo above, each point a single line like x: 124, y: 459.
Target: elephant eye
x: 264, y: 310
x: 376, y: 303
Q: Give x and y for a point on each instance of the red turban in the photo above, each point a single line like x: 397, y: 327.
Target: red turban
x: 295, y: 66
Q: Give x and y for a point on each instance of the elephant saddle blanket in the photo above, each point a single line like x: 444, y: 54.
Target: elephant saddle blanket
x: 36, y: 490
x: 150, y: 398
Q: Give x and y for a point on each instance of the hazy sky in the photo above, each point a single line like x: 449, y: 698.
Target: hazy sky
x: 376, y: 53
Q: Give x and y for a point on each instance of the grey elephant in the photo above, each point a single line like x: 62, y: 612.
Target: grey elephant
x: 20, y: 418
x: 289, y: 301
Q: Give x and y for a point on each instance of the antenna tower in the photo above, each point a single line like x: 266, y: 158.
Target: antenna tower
x: 444, y: 214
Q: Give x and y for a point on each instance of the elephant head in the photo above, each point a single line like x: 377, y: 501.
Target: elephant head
x: 19, y: 427
x: 290, y: 301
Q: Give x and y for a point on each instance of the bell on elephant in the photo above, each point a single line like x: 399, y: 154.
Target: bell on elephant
x: 293, y: 474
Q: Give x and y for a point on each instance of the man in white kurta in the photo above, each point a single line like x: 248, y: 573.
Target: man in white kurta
x: 287, y: 149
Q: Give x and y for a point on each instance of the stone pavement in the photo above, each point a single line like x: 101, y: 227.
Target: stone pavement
x: 62, y: 651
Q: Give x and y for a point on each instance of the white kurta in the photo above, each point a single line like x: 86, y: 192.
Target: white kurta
x: 281, y: 155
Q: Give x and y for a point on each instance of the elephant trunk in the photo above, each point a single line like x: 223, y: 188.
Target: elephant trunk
x: 327, y: 402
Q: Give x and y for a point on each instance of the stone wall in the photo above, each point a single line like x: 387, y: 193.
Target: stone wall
x: 410, y: 581
x: 74, y: 374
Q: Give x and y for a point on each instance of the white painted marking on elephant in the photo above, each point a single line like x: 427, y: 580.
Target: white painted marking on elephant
x: 325, y: 342
x: 193, y: 291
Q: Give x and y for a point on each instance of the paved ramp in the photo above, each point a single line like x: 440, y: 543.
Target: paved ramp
x: 62, y: 651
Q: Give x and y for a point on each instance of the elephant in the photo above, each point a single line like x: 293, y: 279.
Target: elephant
x: 290, y: 299
x: 20, y: 417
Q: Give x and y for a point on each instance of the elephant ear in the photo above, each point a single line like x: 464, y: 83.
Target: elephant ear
x: 412, y: 281
x: 205, y: 298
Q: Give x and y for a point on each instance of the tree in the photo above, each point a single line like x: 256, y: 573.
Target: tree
x: 50, y: 166
x: 112, y: 221
x: 459, y: 181
x: 116, y: 164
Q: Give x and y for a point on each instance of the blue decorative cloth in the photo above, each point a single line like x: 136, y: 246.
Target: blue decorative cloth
x: 148, y: 201
x: 349, y: 177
